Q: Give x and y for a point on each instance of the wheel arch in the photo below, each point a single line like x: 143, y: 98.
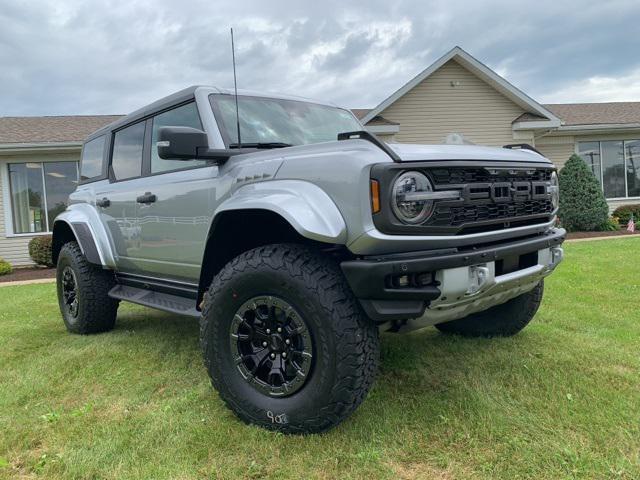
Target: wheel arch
x: 233, y: 232
x: 83, y: 226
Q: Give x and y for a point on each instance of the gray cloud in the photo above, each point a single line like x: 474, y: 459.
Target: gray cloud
x: 96, y: 57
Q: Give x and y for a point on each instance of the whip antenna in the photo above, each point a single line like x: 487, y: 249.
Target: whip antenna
x: 235, y: 87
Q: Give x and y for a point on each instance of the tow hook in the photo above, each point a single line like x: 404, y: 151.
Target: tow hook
x: 557, y: 254
x: 478, y: 277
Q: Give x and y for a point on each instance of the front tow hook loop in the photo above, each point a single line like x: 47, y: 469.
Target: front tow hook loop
x: 557, y: 254
x: 478, y: 277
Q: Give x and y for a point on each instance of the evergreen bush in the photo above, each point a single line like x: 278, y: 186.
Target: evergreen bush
x: 582, y: 203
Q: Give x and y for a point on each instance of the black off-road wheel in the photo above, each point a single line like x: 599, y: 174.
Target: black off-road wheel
x: 500, y: 321
x: 82, y: 293
x: 285, y: 342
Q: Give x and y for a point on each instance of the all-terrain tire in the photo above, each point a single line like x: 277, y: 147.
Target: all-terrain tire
x: 94, y: 311
x: 499, y: 321
x: 346, y: 348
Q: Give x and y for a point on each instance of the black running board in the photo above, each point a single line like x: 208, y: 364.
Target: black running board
x: 159, y: 300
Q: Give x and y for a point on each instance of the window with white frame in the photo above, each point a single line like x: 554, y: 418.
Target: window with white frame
x: 616, y: 165
x: 39, y: 192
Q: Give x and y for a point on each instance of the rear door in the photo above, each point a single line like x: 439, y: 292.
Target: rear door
x: 116, y: 200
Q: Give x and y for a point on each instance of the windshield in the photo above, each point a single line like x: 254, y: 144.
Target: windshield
x: 271, y: 120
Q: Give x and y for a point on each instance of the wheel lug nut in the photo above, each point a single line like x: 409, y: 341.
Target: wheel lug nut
x: 279, y: 330
x: 264, y: 344
x: 273, y: 355
x: 268, y: 330
x: 287, y: 341
x: 284, y: 354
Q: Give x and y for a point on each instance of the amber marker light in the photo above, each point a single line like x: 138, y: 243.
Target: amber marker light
x: 375, y: 196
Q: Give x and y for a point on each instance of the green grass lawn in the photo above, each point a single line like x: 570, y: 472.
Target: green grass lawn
x: 559, y: 400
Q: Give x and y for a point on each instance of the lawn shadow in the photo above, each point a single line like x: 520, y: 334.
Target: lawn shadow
x: 424, y: 374
x: 419, y: 364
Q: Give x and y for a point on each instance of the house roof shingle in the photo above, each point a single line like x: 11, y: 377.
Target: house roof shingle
x: 360, y: 112
x: 56, y: 129
x: 596, y: 113
x: 51, y: 129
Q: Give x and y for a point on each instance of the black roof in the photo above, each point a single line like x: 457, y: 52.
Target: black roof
x: 178, y: 97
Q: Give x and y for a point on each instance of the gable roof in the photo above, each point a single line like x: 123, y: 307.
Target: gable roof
x: 480, y: 70
x: 615, y: 113
x: 61, y: 129
x: 360, y: 112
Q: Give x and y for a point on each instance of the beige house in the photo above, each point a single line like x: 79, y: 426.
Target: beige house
x: 457, y: 94
x: 38, y: 169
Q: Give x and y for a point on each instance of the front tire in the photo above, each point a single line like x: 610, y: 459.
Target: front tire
x: 285, y: 343
x: 83, y: 293
x: 502, y: 320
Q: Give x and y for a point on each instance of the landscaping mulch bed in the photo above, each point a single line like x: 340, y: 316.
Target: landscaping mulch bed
x: 615, y: 233
x: 32, y: 273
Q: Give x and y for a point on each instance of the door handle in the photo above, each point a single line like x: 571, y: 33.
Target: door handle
x: 104, y: 203
x: 148, y: 197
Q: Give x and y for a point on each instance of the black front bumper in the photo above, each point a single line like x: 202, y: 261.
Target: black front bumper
x: 369, y: 277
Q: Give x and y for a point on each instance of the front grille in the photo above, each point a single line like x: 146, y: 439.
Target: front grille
x: 492, y: 196
x: 464, y: 175
x: 455, y: 216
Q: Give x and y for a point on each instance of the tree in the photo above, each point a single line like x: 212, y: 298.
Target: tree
x: 582, y: 203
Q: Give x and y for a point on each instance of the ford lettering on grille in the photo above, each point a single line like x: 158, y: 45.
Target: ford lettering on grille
x: 504, y: 192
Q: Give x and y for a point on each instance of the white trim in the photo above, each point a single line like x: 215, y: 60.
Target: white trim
x: 383, y: 129
x: 481, y: 71
x: 597, y: 128
x: 534, y: 125
x: 26, y: 148
x: 622, y: 199
x: 34, y: 234
x: 6, y: 199
x: 44, y: 197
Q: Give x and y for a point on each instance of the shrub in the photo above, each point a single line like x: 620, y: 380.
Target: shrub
x: 611, y: 225
x: 40, y: 251
x: 5, y: 267
x: 582, y: 203
x: 624, y: 214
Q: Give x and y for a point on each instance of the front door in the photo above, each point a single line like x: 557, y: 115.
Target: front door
x: 174, y: 223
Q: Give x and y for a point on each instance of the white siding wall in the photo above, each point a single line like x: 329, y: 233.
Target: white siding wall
x: 433, y: 109
x: 556, y: 149
x: 14, y: 248
x: 387, y: 138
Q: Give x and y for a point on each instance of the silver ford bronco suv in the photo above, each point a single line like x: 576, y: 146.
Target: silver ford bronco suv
x: 295, y: 237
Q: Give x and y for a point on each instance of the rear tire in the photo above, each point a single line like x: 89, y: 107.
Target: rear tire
x: 500, y: 321
x: 83, y: 293
x: 295, y: 290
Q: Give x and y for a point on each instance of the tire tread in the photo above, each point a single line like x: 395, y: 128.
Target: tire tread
x: 99, y: 311
x: 355, y: 334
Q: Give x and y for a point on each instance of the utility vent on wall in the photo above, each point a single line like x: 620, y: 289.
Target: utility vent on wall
x: 457, y: 139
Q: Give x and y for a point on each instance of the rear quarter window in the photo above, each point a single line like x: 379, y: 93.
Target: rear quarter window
x: 92, y: 162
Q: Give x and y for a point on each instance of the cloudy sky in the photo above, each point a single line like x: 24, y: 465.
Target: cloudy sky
x: 97, y: 57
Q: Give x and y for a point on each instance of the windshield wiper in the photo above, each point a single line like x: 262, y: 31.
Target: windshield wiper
x: 260, y: 145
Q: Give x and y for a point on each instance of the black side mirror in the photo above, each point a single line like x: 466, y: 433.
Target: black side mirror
x: 181, y: 143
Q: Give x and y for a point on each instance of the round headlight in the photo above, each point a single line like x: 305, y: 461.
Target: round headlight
x: 406, y: 202
x: 554, y: 190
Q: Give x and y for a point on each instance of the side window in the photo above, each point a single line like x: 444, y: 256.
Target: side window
x: 92, y: 159
x: 184, y: 116
x: 126, y: 161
